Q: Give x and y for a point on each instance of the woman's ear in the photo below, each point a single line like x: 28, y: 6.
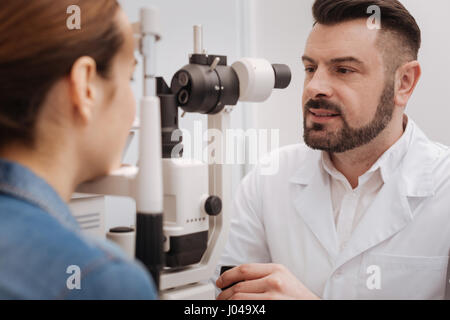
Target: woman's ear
x: 406, y: 78
x: 83, y: 90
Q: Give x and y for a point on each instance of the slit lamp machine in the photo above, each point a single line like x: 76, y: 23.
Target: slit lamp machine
x: 183, y: 205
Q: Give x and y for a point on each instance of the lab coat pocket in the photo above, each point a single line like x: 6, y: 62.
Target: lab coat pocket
x: 384, y: 276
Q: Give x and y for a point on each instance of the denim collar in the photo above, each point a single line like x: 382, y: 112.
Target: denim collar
x: 20, y: 182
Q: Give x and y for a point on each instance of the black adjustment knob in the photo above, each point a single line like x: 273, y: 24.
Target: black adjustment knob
x: 283, y: 76
x: 213, y: 206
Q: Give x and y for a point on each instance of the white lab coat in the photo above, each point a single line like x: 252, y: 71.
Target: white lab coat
x: 399, y: 249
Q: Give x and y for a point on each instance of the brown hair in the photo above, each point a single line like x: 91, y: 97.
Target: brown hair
x: 394, y: 18
x: 37, y: 49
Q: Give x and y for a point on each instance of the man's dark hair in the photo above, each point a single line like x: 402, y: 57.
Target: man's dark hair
x: 395, y: 19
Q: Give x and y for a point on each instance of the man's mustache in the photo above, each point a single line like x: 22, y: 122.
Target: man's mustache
x: 322, y: 104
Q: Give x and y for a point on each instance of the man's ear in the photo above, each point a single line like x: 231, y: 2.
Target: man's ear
x: 83, y: 91
x: 406, y: 78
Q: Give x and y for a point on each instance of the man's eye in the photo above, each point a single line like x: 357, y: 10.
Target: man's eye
x: 344, y: 70
x: 309, y: 69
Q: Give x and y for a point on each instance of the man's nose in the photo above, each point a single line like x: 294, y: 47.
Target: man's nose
x: 319, y: 86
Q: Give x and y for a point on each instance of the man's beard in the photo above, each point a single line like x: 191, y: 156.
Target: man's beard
x: 347, y: 138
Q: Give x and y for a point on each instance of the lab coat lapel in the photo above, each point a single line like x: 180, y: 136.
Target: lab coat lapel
x: 389, y: 213
x: 312, y: 201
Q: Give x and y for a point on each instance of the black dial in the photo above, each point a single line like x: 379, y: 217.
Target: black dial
x: 213, y: 206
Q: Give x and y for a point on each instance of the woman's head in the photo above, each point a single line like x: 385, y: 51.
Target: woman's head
x: 66, y: 90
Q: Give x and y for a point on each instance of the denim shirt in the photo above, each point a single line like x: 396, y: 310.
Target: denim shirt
x: 44, y: 255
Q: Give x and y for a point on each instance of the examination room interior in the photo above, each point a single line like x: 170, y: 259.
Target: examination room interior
x: 277, y: 31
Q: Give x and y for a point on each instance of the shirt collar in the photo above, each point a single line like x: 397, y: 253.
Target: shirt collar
x: 415, y: 168
x: 386, y: 164
x: 20, y: 182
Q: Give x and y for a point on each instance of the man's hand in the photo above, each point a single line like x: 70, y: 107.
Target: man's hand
x: 262, y: 282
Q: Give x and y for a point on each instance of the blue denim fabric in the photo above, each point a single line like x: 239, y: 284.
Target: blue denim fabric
x: 40, y: 240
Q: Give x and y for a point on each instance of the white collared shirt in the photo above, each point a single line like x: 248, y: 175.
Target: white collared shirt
x: 350, y: 204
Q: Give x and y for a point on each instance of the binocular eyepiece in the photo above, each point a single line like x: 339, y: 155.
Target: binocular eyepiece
x: 206, y: 85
